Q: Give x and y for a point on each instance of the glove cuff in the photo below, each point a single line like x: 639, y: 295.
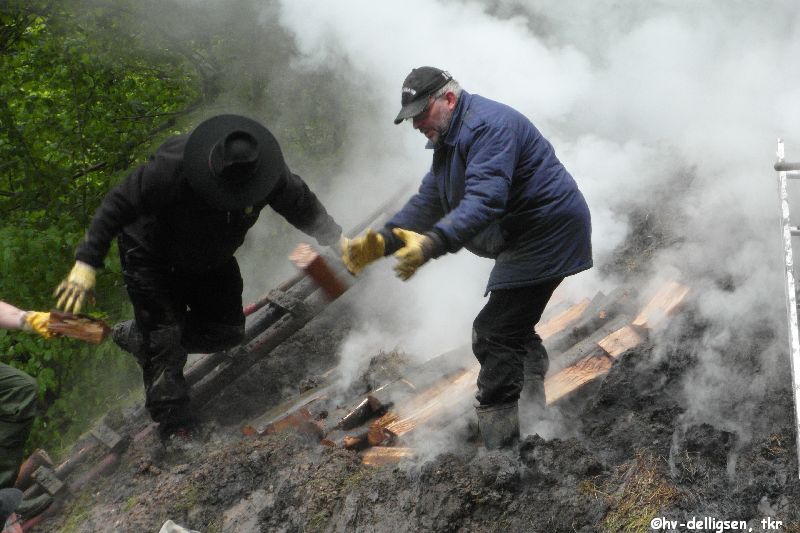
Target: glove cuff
x: 24, y: 325
x: 434, y: 246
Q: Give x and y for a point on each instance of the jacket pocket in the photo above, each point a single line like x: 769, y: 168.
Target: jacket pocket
x: 489, y: 242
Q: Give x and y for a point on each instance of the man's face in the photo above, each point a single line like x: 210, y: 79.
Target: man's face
x: 434, y: 120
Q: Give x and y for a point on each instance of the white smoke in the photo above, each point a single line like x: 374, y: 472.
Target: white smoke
x: 670, y: 108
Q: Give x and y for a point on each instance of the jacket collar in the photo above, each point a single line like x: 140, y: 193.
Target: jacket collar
x: 459, y: 112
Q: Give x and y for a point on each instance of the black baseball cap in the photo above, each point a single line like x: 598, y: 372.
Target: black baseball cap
x: 417, y: 87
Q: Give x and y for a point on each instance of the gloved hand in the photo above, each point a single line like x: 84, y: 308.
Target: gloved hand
x: 412, y: 255
x: 72, y: 292
x: 359, y: 252
x: 38, y: 321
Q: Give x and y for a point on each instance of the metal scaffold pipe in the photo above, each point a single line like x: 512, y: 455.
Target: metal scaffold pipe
x: 787, y: 231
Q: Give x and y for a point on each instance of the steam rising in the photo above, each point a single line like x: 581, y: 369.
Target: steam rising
x: 662, y: 108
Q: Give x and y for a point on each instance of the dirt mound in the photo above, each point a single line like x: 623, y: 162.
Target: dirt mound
x: 613, y: 456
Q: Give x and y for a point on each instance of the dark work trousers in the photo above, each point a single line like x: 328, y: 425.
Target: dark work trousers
x: 504, y: 341
x: 17, y: 410
x: 179, y: 312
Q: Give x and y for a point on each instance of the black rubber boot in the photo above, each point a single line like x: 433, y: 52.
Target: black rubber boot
x: 126, y: 335
x: 9, y: 501
x: 29, y: 508
x: 499, y: 424
x: 532, y: 396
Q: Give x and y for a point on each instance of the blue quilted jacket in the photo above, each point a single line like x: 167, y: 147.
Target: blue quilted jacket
x: 497, y: 188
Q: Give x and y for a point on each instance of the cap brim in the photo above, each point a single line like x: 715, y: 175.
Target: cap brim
x: 411, y: 109
x: 231, y: 196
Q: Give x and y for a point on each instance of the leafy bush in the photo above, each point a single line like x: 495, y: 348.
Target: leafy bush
x: 76, y: 380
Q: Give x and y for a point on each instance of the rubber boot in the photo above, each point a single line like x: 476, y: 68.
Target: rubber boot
x: 532, y: 396
x: 9, y: 501
x: 30, y: 507
x: 126, y: 335
x: 535, y: 365
x: 499, y: 424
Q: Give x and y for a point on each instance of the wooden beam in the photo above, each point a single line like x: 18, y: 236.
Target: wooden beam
x: 602, y: 310
x: 620, y: 341
x: 573, y: 377
x: 385, y: 455
x: 666, y: 302
x: 562, y: 320
x: 437, y: 401
x: 587, y: 346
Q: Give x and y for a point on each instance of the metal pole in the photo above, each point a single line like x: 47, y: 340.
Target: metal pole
x: 791, y: 294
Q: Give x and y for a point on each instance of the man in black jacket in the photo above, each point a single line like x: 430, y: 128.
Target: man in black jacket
x: 179, y: 219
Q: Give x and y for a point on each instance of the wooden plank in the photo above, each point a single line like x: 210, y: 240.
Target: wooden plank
x: 435, y: 402
x: 601, y: 311
x: 620, y: 341
x: 573, y: 377
x: 562, y: 320
x: 664, y: 303
x: 384, y: 455
x: 587, y: 346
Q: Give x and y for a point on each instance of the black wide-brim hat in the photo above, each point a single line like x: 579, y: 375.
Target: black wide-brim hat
x: 221, y: 191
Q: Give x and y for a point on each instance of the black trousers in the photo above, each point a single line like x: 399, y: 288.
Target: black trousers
x: 505, y: 342
x: 179, y: 312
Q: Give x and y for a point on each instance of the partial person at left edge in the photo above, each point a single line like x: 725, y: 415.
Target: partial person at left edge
x: 18, y: 393
x: 178, y: 220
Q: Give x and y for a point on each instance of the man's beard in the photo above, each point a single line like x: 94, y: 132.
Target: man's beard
x: 442, y: 128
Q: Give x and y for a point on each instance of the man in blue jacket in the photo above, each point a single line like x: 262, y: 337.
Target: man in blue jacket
x: 495, y: 187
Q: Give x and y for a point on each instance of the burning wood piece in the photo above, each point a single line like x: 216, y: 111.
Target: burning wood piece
x: 314, y: 265
x: 384, y: 455
x: 378, y: 434
x: 602, y: 310
x: 356, y: 443
x: 573, y: 377
x: 669, y: 298
x: 311, y: 406
x: 562, y: 320
x: 438, y: 401
x: 620, y: 341
x: 300, y: 421
x: 368, y: 408
x: 588, y: 346
x: 79, y: 327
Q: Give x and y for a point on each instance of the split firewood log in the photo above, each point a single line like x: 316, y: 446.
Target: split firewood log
x: 79, y: 327
x: 314, y: 265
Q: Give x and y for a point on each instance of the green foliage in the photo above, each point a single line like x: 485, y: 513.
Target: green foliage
x: 79, y: 105
x: 89, y: 88
x: 33, y: 262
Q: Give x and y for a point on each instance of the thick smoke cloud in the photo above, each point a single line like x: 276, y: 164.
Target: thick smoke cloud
x: 663, y: 108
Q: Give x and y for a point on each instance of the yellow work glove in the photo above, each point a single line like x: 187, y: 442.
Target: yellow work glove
x: 359, y: 252
x: 412, y: 255
x: 38, y: 321
x: 72, y: 292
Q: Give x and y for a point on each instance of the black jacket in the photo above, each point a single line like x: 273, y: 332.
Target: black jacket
x: 155, y: 207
